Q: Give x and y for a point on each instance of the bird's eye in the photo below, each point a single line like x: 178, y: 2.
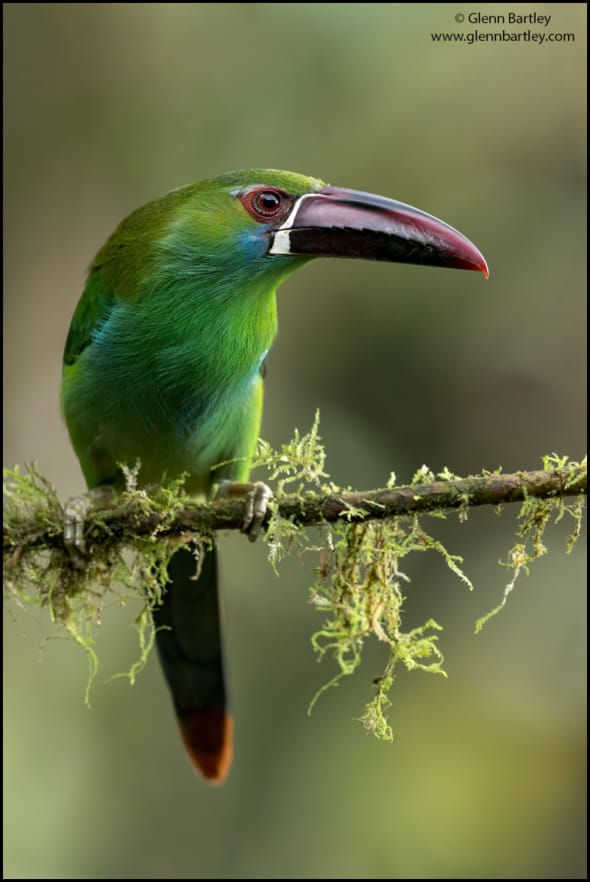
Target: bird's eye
x: 267, y: 204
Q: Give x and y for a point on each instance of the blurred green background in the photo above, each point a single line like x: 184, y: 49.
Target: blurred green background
x: 110, y: 105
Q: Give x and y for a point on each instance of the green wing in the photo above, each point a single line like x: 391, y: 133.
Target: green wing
x: 92, y: 311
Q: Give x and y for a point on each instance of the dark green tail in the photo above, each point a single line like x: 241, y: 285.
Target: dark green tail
x: 189, y: 643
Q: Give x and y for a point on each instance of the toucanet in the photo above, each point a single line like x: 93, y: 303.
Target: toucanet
x: 164, y: 364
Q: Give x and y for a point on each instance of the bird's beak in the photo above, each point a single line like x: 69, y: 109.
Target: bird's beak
x: 335, y: 222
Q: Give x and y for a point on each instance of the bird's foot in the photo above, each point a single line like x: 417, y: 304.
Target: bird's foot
x: 76, y: 510
x: 257, y: 496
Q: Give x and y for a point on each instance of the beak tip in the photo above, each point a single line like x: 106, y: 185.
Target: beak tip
x: 473, y: 259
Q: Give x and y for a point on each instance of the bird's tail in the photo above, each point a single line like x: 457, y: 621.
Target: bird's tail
x: 189, y: 644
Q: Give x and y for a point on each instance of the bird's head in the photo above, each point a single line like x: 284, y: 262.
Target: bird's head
x: 260, y: 225
x: 268, y: 223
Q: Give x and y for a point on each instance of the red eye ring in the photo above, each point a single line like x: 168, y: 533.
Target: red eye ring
x: 266, y: 204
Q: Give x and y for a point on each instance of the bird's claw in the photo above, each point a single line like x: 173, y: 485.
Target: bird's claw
x: 256, y: 496
x: 75, y: 511
x: 257, y: 500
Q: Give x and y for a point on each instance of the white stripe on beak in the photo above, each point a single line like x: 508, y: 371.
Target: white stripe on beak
x: 281, y: 243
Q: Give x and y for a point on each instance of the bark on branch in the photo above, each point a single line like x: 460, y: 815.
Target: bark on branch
x: 227, y: 514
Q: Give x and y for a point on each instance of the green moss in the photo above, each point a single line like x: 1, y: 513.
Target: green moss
x: 534, y: 516
x: 359, y: 593
x: 359, y: 589
x: 75, y: 598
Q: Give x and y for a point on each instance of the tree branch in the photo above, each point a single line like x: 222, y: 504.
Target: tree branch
x: 358, y: 586
x: 311, y: 509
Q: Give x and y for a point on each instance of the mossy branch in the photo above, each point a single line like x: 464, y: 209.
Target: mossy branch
x: 312, y: 509
x: 363, y: 539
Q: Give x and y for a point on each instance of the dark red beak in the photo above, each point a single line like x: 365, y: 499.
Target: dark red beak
x: 335, y: 222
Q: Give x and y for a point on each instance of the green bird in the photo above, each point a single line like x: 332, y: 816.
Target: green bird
x: 164, y: 362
